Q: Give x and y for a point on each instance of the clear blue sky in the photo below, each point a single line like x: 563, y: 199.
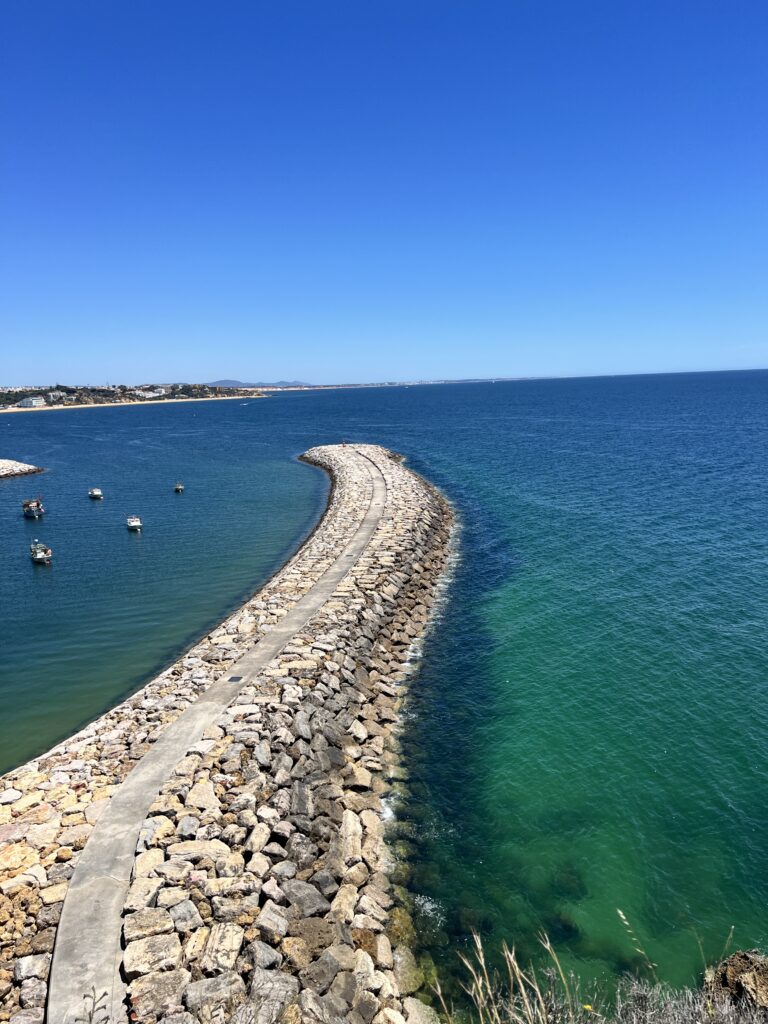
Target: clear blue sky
x: 381, y: 189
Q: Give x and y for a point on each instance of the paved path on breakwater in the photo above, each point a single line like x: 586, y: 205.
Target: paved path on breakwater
x: 88, y: 953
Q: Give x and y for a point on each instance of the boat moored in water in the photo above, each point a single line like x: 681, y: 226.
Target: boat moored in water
x: 178, y: 487
x: 40, y: 553
x: 33, y: 508
x: 133, y: 523
x: 96, y: 494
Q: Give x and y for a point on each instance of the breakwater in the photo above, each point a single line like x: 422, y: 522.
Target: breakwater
x: 10, y: 468
x: 250, y: 874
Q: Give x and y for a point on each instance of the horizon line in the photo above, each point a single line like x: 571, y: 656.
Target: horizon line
x: 407, y: 383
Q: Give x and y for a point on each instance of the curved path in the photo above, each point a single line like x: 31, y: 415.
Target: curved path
x: 88, y: 952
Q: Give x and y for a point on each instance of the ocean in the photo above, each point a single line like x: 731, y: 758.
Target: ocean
x: 586, y: 728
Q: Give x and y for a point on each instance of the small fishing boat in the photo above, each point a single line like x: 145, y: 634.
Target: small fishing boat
x: 40, y: 553
x: 133, y: 523
x: 178, y: 487
x: 96, y: 494
x: 33, y: 508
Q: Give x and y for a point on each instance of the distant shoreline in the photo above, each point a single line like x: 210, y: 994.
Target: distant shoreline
x: 148, y: 401
x: 268, y: 389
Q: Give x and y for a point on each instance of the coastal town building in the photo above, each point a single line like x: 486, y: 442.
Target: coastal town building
x: 31, y: 402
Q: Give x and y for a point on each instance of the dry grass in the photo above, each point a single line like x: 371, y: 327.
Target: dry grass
x: 519, y: 996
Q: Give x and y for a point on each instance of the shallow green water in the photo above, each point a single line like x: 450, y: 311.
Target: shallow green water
x: 589, y: 732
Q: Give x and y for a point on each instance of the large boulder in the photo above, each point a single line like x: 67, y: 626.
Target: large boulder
x: 155, y: 953
x: 271, y: 993
x: 743, y: 976
x: 152, y: 995
x: 417, y: 1012
x: 408, y: 975
x: 226, y: 991
x: 305, y: 898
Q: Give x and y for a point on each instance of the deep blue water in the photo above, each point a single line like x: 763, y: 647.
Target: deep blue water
x: 587, y: 731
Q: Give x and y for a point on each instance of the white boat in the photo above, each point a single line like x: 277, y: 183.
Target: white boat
x: 133, y: 523
x: 95, y: 493
x: 178, y: 487
x: 40, y: 553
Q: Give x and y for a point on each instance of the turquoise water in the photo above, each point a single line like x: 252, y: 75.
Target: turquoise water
x: 587, y: 730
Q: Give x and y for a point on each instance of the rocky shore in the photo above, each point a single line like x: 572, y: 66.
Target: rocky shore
x: 10, y: 468
x: 261, y: 883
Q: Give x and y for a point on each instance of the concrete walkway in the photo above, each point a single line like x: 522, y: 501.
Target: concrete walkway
x: 88, y: 951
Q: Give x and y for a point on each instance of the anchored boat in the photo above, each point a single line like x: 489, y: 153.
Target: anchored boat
x: 178, y: 487
x: 133, y: 523
x: 33, y: 508
x: 96, y: 494
x: 40, y: 553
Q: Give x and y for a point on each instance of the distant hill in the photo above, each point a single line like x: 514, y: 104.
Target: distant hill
x: 259, y: 384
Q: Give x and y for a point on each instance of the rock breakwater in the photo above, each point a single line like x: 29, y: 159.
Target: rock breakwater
x: 10, y: 468
x: 257, y: 884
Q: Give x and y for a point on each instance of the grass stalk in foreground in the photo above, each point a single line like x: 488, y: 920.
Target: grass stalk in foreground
x: 520, y: 996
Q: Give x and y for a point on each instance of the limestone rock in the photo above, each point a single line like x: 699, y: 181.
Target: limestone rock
x: 196, y: 849
x: 153, y: 994
x: 263, y: 955
x: 54, y: 893
x: 305, y: 898
x: 17, y: 858
x: 271, y: 923
x: 156, y: 953
x: 237, y: 911
x: 319, y: 975
x: 389, y: 1016
x: 417, y: 1012
x: 743, y: 975
x: 32, y: 967
x: 408, y: 974
x: 143, y: 923
x: 258, y: 838
x: 270, y: 993
x: 318, y: 934
x: 203, y: 797
x: 351, y: 838
x: 296, y: 951
x: 32, y: 993
x: 222, y: 947
x: 366, y: 1005
x: 185, y: 916
x: 344, y: 903
x: 224, y: 990
x: 146, y: 862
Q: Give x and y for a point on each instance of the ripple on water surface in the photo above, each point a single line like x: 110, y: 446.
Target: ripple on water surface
x: 587, y: 728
